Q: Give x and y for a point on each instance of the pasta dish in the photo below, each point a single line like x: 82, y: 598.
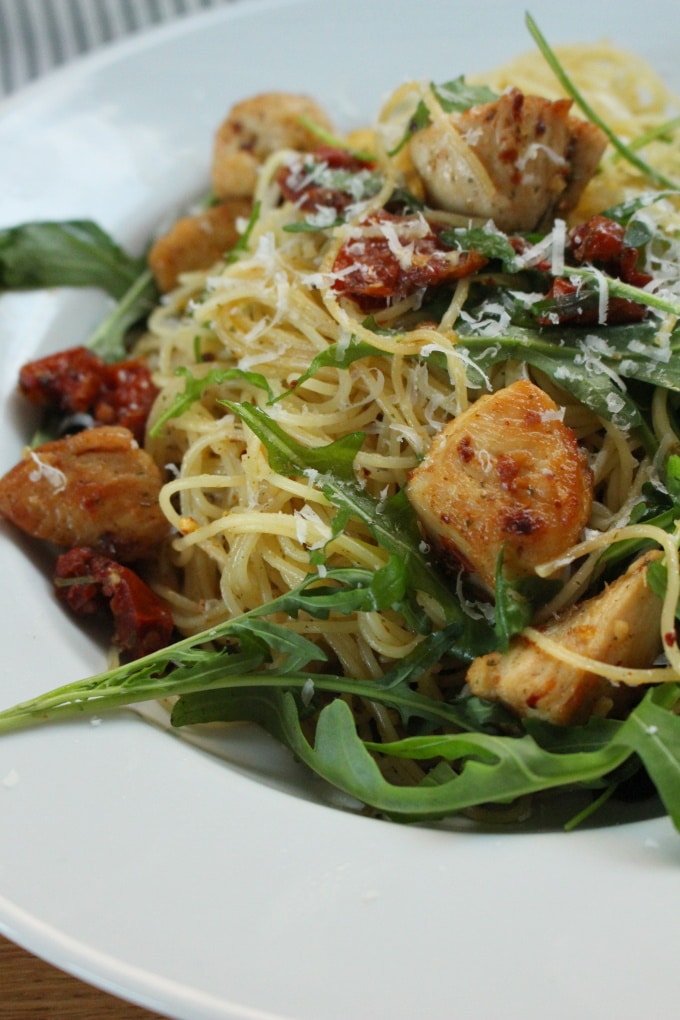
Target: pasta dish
x: 405, y: 478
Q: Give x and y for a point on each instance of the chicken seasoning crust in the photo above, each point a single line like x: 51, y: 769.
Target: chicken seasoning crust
x: 393, y: 469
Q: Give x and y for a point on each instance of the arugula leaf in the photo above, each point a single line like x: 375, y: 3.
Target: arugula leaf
x: 109, y: 338
x: 632, y: 351
x: 219, y: 684
x: 657, y: 575
x: 653, y: 732
x: 453, y: 96
x: 297, y: 651
x: 515, y: 603
x: 419, y: 120
x: 661, y: 508
x: 312, y: 225
x: 252, y: 651
x: 450, y: 644
x: 458, y: 95
x: 638, y: 233
x: 289, y: 457
x: 587, y: 374
x: 673, y: 477
x: 194, y: 388
x: 78, y: 253
x: 73, y: 253
x: 617, y: 288
x: 624, y: 211
x: 491, y: 769
x: 216, y: 683
x: 404, y: 201
x: 391, y: 522
x: 332, y: 140
x: 588, y: 362
x: 626, y: 151
x: 244, y: 240
x: 488, y: 768
x: 490, y: 243
x: 335, y: 356
x: 663, y: 132
x: 202, y: 660
x: 513, y: 610
x: 494, y: 769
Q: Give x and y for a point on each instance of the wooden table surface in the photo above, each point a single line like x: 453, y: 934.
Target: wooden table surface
x: 33, y: 990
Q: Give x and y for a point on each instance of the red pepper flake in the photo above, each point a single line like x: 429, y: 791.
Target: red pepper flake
x: 466, y: 449
x: 670, y: 639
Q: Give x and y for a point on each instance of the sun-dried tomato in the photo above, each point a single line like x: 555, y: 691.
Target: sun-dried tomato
x: 303, y: 183
x: 90, y: 584
x: 76, y: 381
x: 394, y: 256
x: 126, y: 396
x: 68, y: 381
x: 570, y: 309
x: 601, y: 241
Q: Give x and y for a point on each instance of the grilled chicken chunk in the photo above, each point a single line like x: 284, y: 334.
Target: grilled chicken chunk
x: 519, y: 161
x: 507, y: 474
x: 197, y: 242
x: 620, y: 627
x: 253, y: 130
x: 96, y: 488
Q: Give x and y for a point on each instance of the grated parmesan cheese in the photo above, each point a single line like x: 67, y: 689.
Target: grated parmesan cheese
x: 559, y: 240
x: 536, y: 149
x: 56, y: 478
x: 307, y: 692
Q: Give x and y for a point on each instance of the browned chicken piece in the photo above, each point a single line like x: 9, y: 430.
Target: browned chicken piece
x: 96, y: 488
x: 197, y: 242
x: 620, y: 626
x: 253, y: 130
x: 586, y: 147
x: 519, y: 161
x: 506, y: 474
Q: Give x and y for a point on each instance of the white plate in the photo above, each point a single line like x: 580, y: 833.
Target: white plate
x: 198, y: 886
